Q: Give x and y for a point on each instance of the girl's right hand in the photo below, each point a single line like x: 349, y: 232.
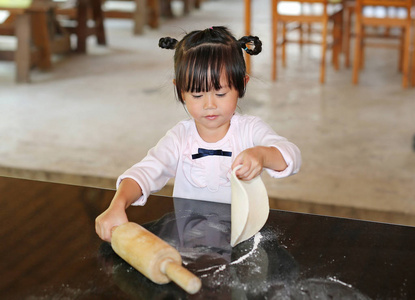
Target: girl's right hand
x: 115, y: 215
x: 110, y: 218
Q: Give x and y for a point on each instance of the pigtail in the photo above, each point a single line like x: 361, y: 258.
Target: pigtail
x: 168, y: 43
x: 251, y: 40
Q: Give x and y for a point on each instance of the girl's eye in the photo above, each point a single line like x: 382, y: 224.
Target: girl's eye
x: 221, y: 94
x: 196, y: 96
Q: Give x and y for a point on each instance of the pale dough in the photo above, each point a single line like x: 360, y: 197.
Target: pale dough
x: 249, y: 208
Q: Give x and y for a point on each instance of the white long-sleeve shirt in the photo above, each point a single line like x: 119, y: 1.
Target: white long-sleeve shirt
x: 208, y: 177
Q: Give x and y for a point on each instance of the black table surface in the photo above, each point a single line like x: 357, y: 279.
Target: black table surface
x: 49, y: 250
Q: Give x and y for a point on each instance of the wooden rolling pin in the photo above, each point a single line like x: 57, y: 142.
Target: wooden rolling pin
x: 152, y: 257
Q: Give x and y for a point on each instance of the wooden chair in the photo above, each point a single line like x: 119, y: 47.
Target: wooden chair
x: 38, y: 37
x: 388, y: 21
x: 311, y: 12
x: 77, y: 15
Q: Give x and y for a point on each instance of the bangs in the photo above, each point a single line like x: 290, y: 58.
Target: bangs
x: 201, y: 68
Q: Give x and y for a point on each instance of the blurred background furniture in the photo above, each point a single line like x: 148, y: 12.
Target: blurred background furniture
x: 383, y: 20
x: 292, y: 15
x: 38, y: 35
x: 188, y: 6
x: 82, y: 18
x: 145, y: 12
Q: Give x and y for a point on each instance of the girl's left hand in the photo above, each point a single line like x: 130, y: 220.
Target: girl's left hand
x: 252, y: 161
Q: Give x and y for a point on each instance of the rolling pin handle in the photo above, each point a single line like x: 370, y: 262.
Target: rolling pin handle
x: 181, y: 276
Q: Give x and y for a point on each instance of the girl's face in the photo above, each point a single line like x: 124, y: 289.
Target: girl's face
x: 212, y: 110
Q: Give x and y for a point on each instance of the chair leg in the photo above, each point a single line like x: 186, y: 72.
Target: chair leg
x: 248, y: 18
x: 405, y: 67
x: 413, y: 67
x: 413, y: 61
x: 274, y: 40
x: 301, y: 28
x: 357, y: 52
x: 139, y: 16
x: 337, y: 40
x: 283, y: 48
x: 41, y: 39
x: 23, y: 53
x: 165, y: 8
x: 334, y: 35
x: 82, y: 25
x: 309, y: 31
x: 323, y: 52
x: 155, y: 9
x: 401, y: 50
x: 98, y: 16
x: 362, y: 49
x: 301, y: 32
x: 186, y: 7
x: 340, y: 22
x: 347, y: 35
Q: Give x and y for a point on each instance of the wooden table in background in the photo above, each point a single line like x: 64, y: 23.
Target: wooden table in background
x: 34, y: 26
x: 30, y: 26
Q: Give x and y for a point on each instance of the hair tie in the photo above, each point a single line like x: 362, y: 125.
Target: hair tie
x: 251, y: 44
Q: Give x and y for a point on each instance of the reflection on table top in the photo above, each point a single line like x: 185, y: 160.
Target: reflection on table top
x: 49, y: 250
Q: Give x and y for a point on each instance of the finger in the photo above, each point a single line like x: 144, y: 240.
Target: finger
x: 247, y: 176
x: 108, y: 238
x: 252, y: 173
x: 98, y: 230
x: 106, y: 235
x: 101, y: 234
x: 249, y: 169
x: 243, y: 171
x: 238, y: 161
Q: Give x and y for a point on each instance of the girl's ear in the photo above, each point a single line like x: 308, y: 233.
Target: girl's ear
x: 246, y: 80
x: 174, y: 82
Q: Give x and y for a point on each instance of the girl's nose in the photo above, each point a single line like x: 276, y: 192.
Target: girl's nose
x: 210, y: 102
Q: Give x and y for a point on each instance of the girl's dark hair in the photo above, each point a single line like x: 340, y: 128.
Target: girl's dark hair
x: 202, y: 55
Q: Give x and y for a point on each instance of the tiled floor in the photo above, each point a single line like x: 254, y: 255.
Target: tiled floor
x: 94, y: 115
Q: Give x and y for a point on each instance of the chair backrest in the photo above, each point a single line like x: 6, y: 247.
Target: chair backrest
x: 303, y: 8
x: 311, y: 1
x: 401, y: 15
x: 387, y: 3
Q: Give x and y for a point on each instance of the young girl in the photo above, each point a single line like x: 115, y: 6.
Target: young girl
x: 210, y: 77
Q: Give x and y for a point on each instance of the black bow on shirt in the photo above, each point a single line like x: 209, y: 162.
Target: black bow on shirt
x: 206, y: 152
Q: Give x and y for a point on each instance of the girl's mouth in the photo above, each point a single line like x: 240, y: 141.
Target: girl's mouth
x: 211, y: 117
